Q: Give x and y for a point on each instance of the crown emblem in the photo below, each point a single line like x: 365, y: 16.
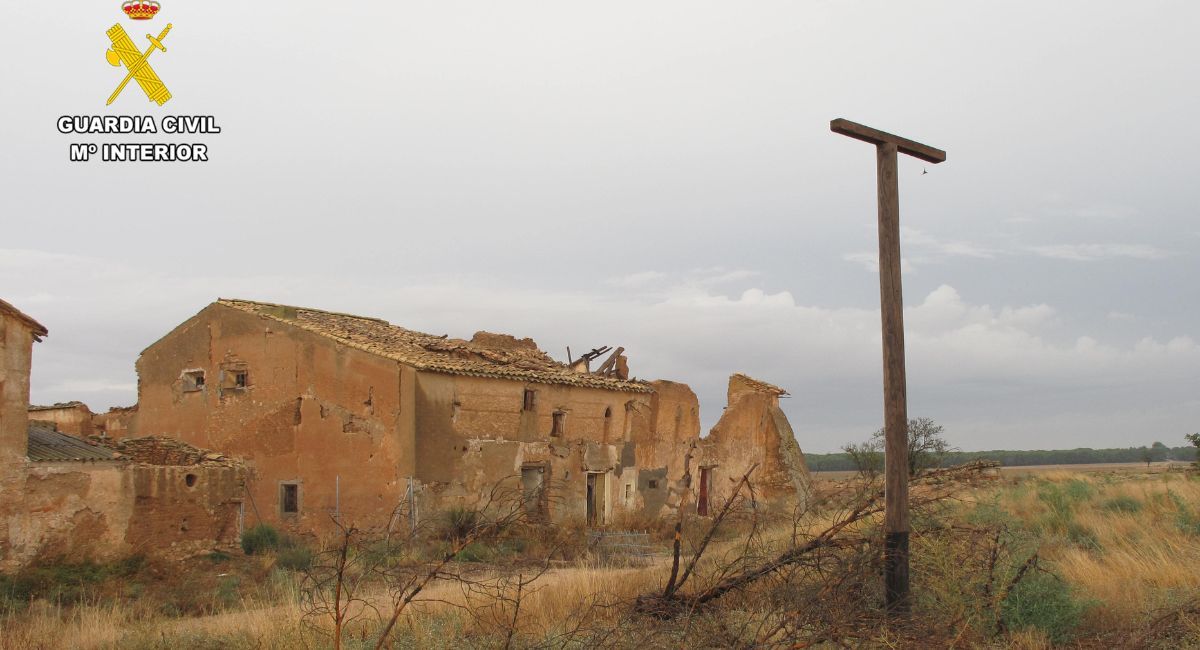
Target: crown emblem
x: 140, y: 9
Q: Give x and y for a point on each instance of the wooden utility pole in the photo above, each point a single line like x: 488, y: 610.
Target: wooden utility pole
x: 895, y: 393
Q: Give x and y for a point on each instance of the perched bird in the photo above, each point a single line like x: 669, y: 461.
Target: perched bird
x: 924, y: 171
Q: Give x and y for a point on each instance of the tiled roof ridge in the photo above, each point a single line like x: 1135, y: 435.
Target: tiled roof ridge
x: 435, y: 353
x: 235, y: 302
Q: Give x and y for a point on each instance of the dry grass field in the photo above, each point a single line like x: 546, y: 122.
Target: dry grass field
x: 1095, y: 558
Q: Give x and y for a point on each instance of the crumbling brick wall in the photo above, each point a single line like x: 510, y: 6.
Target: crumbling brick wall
x: 753, y: 430
x: 188, y: 503
x: 73, y: 418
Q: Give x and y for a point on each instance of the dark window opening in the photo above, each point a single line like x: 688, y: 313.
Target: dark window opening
x: 193, y: 380
x: 289, y: 498
x: 653, y: 483
x: 190, y: 480
x: 557, y: 423
x: 240, y: 379
x: 528, y: 403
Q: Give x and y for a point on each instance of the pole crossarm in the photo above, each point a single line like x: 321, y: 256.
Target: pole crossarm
x: 877, y: 137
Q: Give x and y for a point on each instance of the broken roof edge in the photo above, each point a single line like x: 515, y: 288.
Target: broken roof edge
x: 232, y: 302
x: 58, y: 405
x: 35, y: 327
x: 508, y: 372
x: 758, y: 384
x: 601, y: 383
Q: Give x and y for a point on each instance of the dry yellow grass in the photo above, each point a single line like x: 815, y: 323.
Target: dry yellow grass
x: 1122, y: 541
x: 1132, y: 553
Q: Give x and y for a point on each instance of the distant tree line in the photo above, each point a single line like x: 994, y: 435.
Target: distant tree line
x: 1158, y: 452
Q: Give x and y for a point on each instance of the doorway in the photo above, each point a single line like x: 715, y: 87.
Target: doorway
x: 702, y: 504
x: 533, y: 487
x: 595, y: 498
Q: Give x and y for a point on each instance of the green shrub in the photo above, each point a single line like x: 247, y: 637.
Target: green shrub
x: 296, y: 557
x: 1122, y: 504
x: 217, y: 557
x: 1082, y: 536
x: 475, y: 552
x: 1185, y: 520
x: 1045, y: 602
x: 260, y: 538
x: 1079, y: 490
x: 458, y: 522
x: 227, y: 594
x: 64, y: 582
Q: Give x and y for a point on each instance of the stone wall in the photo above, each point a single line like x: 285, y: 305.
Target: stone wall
x: 104, y: 510
x: 73, y: 418
x: 477, y: 433
x: 321, y: 416
x: 754, y: 432
x: 16, y: 353
x: 117, y: 422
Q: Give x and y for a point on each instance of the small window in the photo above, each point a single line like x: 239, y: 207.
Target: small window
x: 190, y: 480
x: 289, y: 498
x: 628, y: 493
x: 193, y: 380
x: 653, y: 483
x: 529, y: 402
x: 241, y: 379
x: 557, y: 423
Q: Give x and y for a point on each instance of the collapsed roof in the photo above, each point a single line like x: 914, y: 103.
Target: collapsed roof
x: 485, y: 355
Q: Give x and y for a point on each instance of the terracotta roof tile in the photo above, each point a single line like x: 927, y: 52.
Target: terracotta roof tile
x: 485, y: 355
x: 760, y: 385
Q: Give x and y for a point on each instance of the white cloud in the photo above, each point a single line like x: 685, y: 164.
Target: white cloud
x: 943, y: 248
x: 1094, y: 252
x: 637, y: 280
x: 968, y: 362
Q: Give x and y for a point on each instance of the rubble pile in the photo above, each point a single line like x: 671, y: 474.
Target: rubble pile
x: 157, y: 450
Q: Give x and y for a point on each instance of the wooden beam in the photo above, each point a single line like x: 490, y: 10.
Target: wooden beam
x: 877, y: 137
x: 895, y: 390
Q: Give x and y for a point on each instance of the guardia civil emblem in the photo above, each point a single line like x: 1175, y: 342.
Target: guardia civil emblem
x: 137, y: 62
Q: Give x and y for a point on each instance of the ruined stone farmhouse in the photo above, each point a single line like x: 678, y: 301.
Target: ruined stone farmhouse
x: 63, y: 496
x: 352, y: 416
x: 314, y: 414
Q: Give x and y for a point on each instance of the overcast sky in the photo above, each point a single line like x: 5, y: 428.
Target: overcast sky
x: 654, y: 175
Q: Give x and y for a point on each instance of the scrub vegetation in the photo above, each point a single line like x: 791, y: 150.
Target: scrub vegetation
x: 1060, y: 559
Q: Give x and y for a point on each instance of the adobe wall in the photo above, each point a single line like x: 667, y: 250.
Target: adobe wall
x: 474, y: 432
x: 68, y: 510
x: 325, y: 416
x: 754, y: 429
x: 181, y: 511
x: 73, y: 418
x: 105, y: 510
x: 118, y: 422
x: 16, y: 351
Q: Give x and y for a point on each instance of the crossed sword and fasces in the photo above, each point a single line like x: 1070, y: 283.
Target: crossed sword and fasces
x: 124, y: 51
